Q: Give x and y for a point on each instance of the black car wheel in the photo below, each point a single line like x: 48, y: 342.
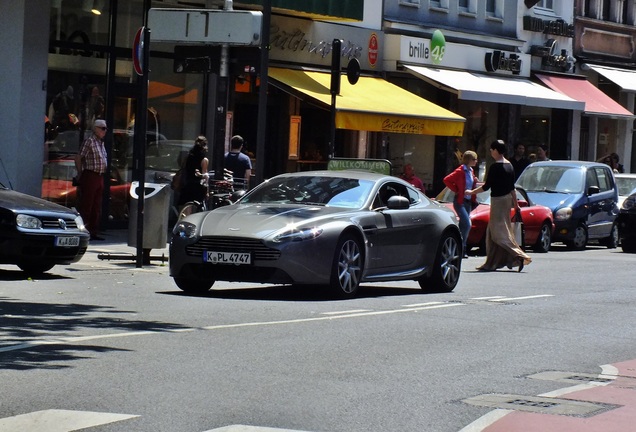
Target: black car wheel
x: 35, y: 268
x: 193, y: 286
x: 347, y: 267
x: 629, y: 244
x: 447, y: 267
x: 580, y: 238
x: 545, y: 239
x: 612, y: 241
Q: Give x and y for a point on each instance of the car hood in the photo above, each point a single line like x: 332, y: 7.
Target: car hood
x: 553, y: 200
x: 263, y: 219
x: 19, y: 202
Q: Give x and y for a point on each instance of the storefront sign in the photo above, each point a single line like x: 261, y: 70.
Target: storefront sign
x: 556, y: 27
x: 497, y: 60
x: 380, y: 166
x: 310, y: 42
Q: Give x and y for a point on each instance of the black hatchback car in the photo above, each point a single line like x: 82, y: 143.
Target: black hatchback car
x: 36, y: 234
x: 583, y: 197
x: 627, y: 223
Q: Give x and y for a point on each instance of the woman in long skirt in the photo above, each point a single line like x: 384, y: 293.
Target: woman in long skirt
x: 501, y: 248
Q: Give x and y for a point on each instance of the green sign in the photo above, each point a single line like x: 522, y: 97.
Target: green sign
x: 380, y: 166
x: 438, y: 47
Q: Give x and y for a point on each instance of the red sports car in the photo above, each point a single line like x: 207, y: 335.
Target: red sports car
x: 57, y: 186
x: 537, y: 220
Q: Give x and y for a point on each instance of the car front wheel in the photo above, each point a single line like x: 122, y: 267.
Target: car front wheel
x: 348, y: 263
x: 580, y: 238
x: 447, y: 267
x: 612, y: 241
x: 193, y: 286
x: 545, y: 239
x: 35, y: 268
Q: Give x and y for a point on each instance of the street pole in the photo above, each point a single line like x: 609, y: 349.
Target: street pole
x: 141, y: 122
x: 334, y: 90
x: 222, y: 98
x: 262, y: 93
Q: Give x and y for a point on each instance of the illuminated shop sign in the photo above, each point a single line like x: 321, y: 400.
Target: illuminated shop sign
x: 556, y: 27
x: 497, y: 60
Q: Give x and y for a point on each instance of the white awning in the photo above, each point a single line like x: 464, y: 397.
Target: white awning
x: 472, y: 86
x: 624, y: 78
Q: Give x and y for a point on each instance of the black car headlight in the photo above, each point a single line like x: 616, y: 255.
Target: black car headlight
x: 298, y: 235
x: 185, y: 230
x: 26, y: 221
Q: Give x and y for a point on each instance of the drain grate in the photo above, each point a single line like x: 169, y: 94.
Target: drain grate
x: 539, y: 404
x: 588, y: 378
x: 571, y: 377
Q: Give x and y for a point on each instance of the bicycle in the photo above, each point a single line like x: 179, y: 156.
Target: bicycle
x: 219, y: 193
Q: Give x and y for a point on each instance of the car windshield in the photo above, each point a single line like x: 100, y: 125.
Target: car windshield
x: 328, y: 191
x: 559, y: 179
x: 625, y: 185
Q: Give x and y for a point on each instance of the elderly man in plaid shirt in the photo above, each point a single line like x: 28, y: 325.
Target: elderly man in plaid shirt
x: 91, y: 164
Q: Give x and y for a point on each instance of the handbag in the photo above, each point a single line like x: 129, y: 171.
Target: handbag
x: 517, y: 228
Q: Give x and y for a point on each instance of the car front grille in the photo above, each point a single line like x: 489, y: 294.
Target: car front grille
x: 54, y: 223
x: 233, y: 244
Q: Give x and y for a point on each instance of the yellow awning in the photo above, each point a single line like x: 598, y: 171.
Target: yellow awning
x: 373, y: 104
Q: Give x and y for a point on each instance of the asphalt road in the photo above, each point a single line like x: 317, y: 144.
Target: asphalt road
x: 105, y: 346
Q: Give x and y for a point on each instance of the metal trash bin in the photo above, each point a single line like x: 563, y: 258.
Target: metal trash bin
x: 157, y: 199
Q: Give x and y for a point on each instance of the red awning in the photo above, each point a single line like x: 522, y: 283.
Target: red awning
x: 597, y: 103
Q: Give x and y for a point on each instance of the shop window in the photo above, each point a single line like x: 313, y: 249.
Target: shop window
x: 535, y: 130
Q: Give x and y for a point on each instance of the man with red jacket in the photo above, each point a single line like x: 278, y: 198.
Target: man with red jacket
x: 461, y: 179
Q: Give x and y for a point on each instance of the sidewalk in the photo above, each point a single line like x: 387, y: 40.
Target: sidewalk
x: 115, y: 248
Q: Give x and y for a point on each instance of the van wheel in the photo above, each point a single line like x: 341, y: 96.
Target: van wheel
x: 580, y: 238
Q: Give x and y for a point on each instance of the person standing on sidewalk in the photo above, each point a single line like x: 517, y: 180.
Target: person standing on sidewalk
x: 461, y: 179
x: 239, y: 163
x: 91, y: 163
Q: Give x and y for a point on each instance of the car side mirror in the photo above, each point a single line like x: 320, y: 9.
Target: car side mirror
x: 593, y: 190
x: 397, y: 202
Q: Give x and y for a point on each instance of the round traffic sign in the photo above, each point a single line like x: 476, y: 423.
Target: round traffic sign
x: 138, y: 52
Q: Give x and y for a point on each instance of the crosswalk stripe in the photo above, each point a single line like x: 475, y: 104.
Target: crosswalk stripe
x: 245, y: 428
x: 55, y: 420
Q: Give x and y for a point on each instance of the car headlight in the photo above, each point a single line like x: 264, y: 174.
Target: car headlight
x: 80, y: 223
x: 185, y: 230
x: 26, y: 221
x: 298, y: 235
x: 563, y: 214
x: 629, y: 202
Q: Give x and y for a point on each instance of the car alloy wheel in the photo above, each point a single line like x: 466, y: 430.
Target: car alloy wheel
x: 447, y: 267
x: 545, y: 239
x: 580, y: 238
x: 347, y: 266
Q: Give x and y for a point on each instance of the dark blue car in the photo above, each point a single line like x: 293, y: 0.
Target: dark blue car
x: 583, y: 197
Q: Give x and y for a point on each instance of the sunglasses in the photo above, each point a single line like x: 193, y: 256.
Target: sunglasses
x: 102, y: 128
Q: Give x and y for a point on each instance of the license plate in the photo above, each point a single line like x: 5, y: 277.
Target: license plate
x: 67, y: 241
x: 227, y: 257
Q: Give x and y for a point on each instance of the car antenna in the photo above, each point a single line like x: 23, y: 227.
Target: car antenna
x: 6, y: 174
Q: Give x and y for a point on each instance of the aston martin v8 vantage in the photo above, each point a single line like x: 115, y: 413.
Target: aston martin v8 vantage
x: 331, y: 228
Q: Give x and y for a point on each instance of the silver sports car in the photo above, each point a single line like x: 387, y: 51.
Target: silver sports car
x: 333, y: 228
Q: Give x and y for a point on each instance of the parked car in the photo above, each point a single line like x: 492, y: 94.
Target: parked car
x: 626, y: 222
x: 583, y: 197
x: 36, y: 234
x: 57, y: 186
x: 537, y: 220
x: 626, y: 184
x: 332, y: 228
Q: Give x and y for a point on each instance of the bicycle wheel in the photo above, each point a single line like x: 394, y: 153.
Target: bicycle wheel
x: 189, y: 208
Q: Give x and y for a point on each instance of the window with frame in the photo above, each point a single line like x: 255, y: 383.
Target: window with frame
x: 439, y: 4
x: 412, y: 3
x: 545, y: 4
x: 467, y: 6
x: 494, y: 8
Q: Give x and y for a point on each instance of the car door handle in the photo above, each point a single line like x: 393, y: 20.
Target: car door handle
x: 416, y: 220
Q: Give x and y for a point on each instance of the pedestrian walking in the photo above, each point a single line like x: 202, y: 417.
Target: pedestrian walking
x: 501, y: 248
x: 239, y: 163
x: 194, y: 172
x: 91, y: 164
x: 461, y: 179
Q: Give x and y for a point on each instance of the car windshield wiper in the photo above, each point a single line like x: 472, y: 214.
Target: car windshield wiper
x: 550, y: 190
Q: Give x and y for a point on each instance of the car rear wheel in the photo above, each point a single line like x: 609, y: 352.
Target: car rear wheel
x: 193, y: 286
x: 580, y: 238
x: 629, y: 245
x: 612, y: 241
x: 545, y: 239
x: 347, y: 267
x: 447, y: 267
x: 35, y: 268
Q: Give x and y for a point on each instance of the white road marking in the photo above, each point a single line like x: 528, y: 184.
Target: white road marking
x: 344, y: 312
x: 522, y: 298
x: 59, y: 420
x: 487, y: 298
x: 245, y: 428
x: 421, y: 304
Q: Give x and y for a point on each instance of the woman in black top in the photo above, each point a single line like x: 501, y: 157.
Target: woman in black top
x: 501, y: 248
x: 194, y: 171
